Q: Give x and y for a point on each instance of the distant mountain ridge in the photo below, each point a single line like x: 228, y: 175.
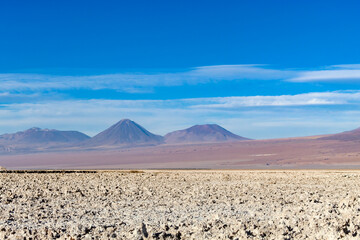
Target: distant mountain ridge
x: 125, y: 132
x: 352, y: 135
x: 43, y: 136
x: 202, y: 133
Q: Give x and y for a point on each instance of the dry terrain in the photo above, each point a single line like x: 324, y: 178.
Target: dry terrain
x: 305, y: 153
x: 220, y: 204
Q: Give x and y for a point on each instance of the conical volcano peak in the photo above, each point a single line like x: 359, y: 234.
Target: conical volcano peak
x: 205, y: 128
x: 125, y: 121
x: 202, y: 133
x: 33, y: 129
x: 126, y: 132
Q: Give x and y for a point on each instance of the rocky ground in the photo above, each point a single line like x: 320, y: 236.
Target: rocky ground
x: 180, y: 205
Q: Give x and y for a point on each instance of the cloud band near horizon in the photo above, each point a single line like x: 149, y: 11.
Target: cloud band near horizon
x: 253, y: 116
x: 134, y: 82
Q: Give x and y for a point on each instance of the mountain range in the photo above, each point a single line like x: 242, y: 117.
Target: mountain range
x: 127, y: 145
x: 125, y: 133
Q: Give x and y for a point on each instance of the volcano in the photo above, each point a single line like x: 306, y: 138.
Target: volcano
x: 43, y: 136
x: 202, y: 133
x: 127, y: 133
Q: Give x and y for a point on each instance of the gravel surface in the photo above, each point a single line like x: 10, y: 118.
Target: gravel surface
x: 181, y: 205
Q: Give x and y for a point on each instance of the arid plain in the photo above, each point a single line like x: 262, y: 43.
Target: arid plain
x: 198, y: 204
x: 296, y: 153
x: 127, y: 145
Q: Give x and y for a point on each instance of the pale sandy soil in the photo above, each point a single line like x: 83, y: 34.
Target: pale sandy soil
x: 181, y: 205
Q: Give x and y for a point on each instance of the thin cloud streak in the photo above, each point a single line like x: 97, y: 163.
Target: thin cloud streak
x: 320, y: 98
x: 315, y: 98
x: 328, y: 76
x: 139, y: 82
x: 333, y: 73
x: 130, y: 82
x: 346, y: 66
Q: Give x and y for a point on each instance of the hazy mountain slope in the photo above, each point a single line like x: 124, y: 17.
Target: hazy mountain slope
x: 43, y: 136
x: 352, y: 135
x: 202, y: 133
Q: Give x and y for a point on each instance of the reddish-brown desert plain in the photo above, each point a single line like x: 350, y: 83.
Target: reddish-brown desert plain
x: 295, y: 153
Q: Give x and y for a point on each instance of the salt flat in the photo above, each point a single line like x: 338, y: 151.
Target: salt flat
x: 193, y: 204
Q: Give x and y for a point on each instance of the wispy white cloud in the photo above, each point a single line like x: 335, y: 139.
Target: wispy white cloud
x: 231, y: 72
x: 334, y: 73
x: 319, y: 98
x: 327, y: 76
x: 6, y: 97
x: 5, y: 94
x: 139, y: 82
x: 132, y: 82
x: 346, y: 66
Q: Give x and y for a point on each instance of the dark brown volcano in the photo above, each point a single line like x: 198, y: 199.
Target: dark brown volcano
x: 125, y: 132
x: 202, y: 133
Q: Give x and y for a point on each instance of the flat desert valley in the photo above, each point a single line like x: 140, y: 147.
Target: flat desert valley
x: 181, y: 204
x: 296, y: 153
x: 127, y: 145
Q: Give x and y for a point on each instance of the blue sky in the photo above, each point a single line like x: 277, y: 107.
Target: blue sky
x: 262, y: 69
